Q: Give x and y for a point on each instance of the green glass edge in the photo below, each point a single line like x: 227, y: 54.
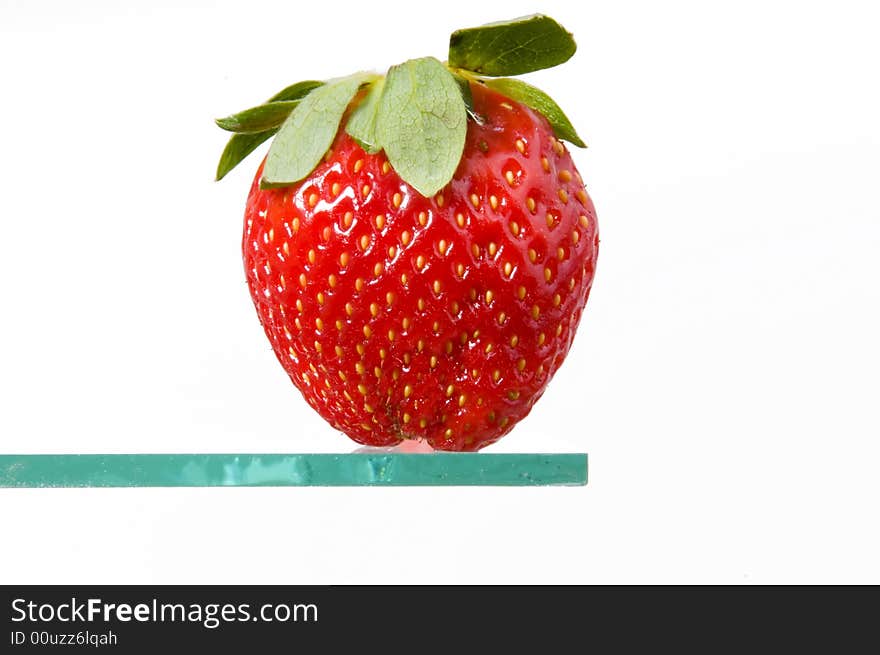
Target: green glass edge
x: 293, y: 470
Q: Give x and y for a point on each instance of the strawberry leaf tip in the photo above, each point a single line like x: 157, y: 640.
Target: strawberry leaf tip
x: 522, y: 45
x: 258, y: 119
x: 296, y: 91
x: 540, y: 102
x: 238, y: 148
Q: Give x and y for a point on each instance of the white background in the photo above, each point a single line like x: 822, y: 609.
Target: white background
x: 724, y: 380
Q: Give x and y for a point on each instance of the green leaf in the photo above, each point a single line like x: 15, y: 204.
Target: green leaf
x: 239, y: 147
x: 306, y: 135
x: 541, y: 102
x: 362, y: 123
x: 513, y: 47
x: 422, y: 122
x: 296, y: 91
x: 258, y: 119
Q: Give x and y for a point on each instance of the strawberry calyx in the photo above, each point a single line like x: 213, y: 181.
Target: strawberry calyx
x: 417, y: 112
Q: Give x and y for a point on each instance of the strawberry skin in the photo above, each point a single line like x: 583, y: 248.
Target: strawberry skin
x: 443, y: 318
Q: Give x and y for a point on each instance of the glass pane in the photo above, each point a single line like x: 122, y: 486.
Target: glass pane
x: 283, y: 470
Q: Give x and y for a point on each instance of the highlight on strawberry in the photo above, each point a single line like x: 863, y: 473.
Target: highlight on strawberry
x: 419, y: 245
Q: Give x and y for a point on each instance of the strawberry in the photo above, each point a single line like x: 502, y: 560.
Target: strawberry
x: 401, y: 305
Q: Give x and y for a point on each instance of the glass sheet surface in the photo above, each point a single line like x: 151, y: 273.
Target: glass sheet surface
x: 293, y: 470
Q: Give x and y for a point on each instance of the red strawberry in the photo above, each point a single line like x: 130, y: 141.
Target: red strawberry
x: 443, y: 318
